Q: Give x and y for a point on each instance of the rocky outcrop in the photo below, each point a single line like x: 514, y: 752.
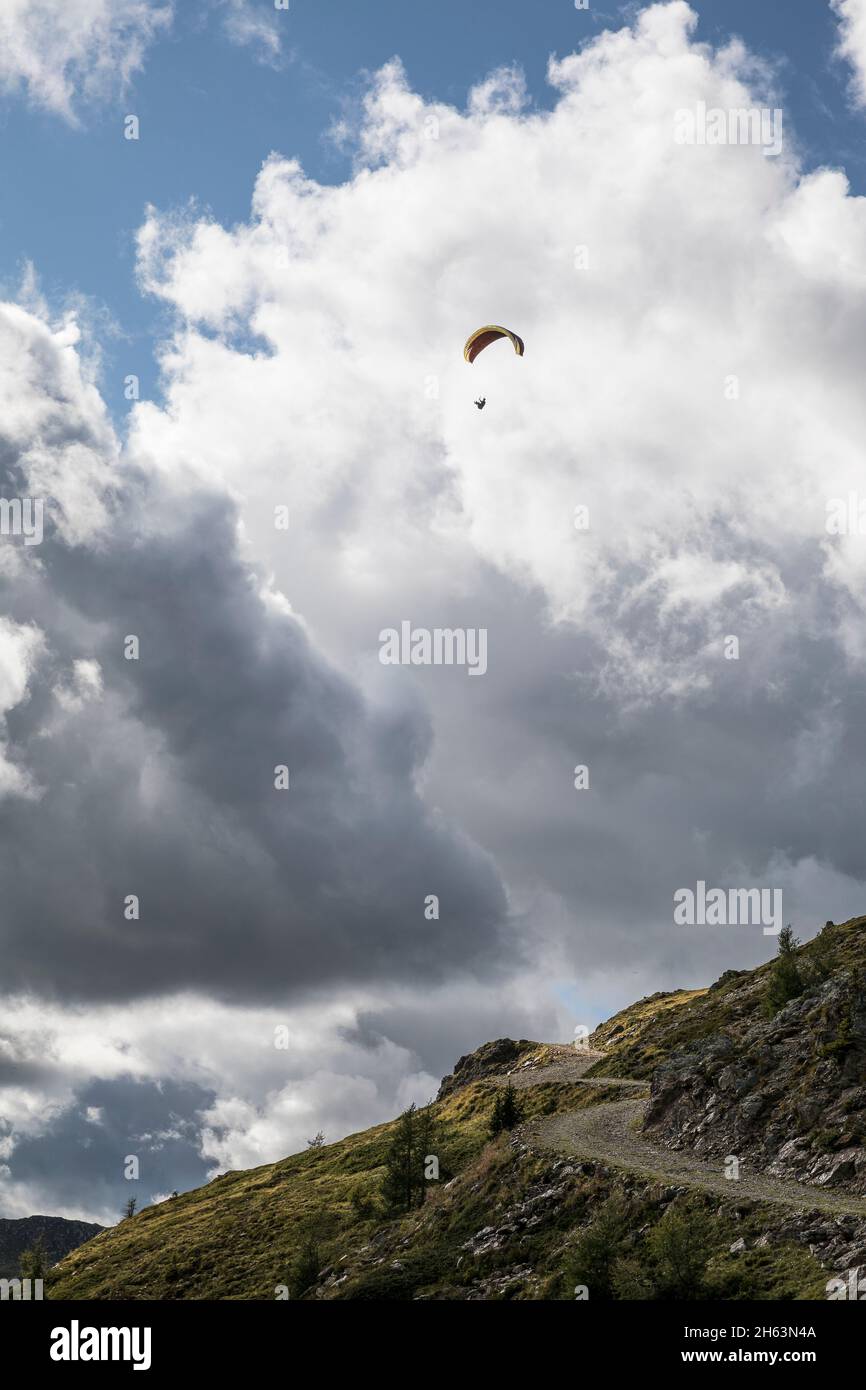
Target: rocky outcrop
x: 785, y: 1094
x: 489, y: 1060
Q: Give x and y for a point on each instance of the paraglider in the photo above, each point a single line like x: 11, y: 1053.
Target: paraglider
x: 482, y: 338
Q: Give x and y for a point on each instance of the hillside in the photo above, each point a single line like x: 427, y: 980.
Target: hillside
x: 55, y: 1234
x: 786, y: 1092
x: 615, y: 1179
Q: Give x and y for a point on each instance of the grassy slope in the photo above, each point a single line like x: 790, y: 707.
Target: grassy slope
x: 237, y: 1237
x: 639, y: 1037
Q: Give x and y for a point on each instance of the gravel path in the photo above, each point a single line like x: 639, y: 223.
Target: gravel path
x: 610, y: 1133
x: 569, y: 1068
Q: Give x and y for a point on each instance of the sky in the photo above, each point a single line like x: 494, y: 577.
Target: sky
x: 231, y: 374
x: 215, y: 100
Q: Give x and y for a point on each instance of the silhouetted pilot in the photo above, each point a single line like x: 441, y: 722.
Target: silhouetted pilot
x: 481, y: 402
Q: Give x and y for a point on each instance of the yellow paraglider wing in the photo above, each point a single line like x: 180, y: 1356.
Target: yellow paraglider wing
x: 491, y: 333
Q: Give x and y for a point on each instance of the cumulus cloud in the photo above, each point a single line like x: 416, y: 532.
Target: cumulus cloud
x: 85, y: 684
x: 19, y: 647
x: 670, y: 296
x: 57, y: 445
x: 192, y: 1087
x: 162, y: 771
x: 852, y: 42
x: 693, y: 320
x: 80, y: 51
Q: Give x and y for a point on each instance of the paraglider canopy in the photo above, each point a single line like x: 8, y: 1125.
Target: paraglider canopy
x: 491, y: 333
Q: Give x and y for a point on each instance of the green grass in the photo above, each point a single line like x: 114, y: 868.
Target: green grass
x: 642, y: 1035
x: 239, y: 1236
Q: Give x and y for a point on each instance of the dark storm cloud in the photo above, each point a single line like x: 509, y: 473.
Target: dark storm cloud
x: 438, y: 1035
x: 165, y: 788
x: 734, y: 784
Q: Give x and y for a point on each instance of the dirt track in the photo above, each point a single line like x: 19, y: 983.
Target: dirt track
x: 610, y: 1132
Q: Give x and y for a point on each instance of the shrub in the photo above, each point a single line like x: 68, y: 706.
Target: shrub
x: 507, y: 1111
x: 363, y: 1205
x: 785, y: 982
x: 305, y: 1268
x: 679, y: 1248
x: 674, y: 1260
x: 598, y: 1248
x: 33, y: 1263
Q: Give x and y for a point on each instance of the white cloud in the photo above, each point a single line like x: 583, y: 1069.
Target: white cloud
x: 85, y: 685
x: 504, y: 91
x: 78, y: 51
x: 268, y: 1101
x: 20, y: 646
x: 852, y: 42
x: 253, y: 26
x: 695, y: 386
x: 54, y: 421
x: 66, y: 55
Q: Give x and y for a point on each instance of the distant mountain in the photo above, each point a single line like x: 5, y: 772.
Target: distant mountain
x: 57, y: 1235
x: 707, y: 1143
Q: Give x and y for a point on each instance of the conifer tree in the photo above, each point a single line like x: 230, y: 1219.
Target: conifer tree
x: 507, y: 1111
x: 404, y: 1184
x: 33, y: 1262
x: 785, y: 982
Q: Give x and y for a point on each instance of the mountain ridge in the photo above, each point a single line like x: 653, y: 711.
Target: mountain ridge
x: 56, y: 1234
x: 707, y: 1074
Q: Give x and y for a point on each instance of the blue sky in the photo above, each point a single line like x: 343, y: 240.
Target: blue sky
x: 211, y: 111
